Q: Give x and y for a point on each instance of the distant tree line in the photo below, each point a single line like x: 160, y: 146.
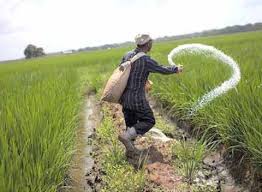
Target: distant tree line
x: 106, y: 46
x: 33, y: 51
x: 226, y: 30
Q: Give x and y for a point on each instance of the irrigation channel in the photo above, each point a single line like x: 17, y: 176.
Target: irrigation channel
x: 159, y: 169
x: 83, y: 162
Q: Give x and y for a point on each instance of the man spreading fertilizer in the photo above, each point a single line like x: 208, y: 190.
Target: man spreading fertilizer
x: 139, y: 117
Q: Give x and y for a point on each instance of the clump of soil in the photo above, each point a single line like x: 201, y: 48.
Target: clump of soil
x: 155, y: 155
x: 94, y: 176
x: 163, y: 174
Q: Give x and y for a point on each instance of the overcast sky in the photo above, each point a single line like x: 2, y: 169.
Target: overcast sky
x: 59, y: 25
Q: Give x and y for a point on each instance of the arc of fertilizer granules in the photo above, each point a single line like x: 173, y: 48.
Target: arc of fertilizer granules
x: 209, y: 51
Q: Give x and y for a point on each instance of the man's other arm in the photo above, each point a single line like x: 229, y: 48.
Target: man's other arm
x: 154, y: 67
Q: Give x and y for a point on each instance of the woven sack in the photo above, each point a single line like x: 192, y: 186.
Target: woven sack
x: 117, y: 82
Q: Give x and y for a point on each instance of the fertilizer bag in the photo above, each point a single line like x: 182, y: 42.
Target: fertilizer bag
x: 116, y: 84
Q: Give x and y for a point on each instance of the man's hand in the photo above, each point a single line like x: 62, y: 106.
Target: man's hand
x: 180, y: 68
x: 148, y: 86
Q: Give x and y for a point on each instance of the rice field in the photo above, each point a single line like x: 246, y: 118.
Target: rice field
x: 40, y: 102
x: 236, y: 116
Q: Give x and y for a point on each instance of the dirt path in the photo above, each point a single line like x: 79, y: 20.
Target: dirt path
x: 159, y: 164
x: 158, y: 161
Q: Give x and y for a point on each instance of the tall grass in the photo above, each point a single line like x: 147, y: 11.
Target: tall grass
x: 236, y: 116
x: 40, y: 100
x: 38, y: 117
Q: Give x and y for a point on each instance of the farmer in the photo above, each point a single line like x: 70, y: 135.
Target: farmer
x: 139, y: 117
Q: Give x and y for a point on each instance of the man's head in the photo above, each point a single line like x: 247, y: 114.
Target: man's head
x: 144, y: 42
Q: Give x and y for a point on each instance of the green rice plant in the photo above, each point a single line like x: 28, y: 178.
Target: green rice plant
x: 40, y: 103
x: 189, y: 157
x: 37, y: 126
x: 234, y: 118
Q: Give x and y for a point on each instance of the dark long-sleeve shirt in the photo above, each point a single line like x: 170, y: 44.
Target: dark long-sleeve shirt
x: 134, y: 96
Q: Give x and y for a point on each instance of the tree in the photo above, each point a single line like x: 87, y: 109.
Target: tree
x: 33, y: 51
x: 39, y: 52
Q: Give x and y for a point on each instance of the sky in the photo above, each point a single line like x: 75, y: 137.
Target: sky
x: 58, y: 25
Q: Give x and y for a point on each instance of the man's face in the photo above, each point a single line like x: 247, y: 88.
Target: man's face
x: 149, y: 45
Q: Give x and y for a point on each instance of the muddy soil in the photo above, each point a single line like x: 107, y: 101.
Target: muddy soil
x: 157, y: 160
x: 234, y: 173
x: 156, y: 157
x: 84, y: 175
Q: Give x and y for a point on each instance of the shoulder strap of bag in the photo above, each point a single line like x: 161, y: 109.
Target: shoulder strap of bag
x: 137, y: 56
x: 132, y: 60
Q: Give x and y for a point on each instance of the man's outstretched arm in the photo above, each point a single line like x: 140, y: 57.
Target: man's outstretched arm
x: 154, y: 67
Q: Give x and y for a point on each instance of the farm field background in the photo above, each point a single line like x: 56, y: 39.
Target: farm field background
x: 40, y: 102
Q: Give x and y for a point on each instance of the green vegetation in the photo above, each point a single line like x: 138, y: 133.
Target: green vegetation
x: 164, y: 126
x: 38, y: 117
x: 119, y: 174
x: 40, y: 101
x: 189, y: 157
x: 235, y: 117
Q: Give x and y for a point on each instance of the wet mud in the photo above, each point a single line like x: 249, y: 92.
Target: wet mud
x: 83, y: 175
x: 155, y: 156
